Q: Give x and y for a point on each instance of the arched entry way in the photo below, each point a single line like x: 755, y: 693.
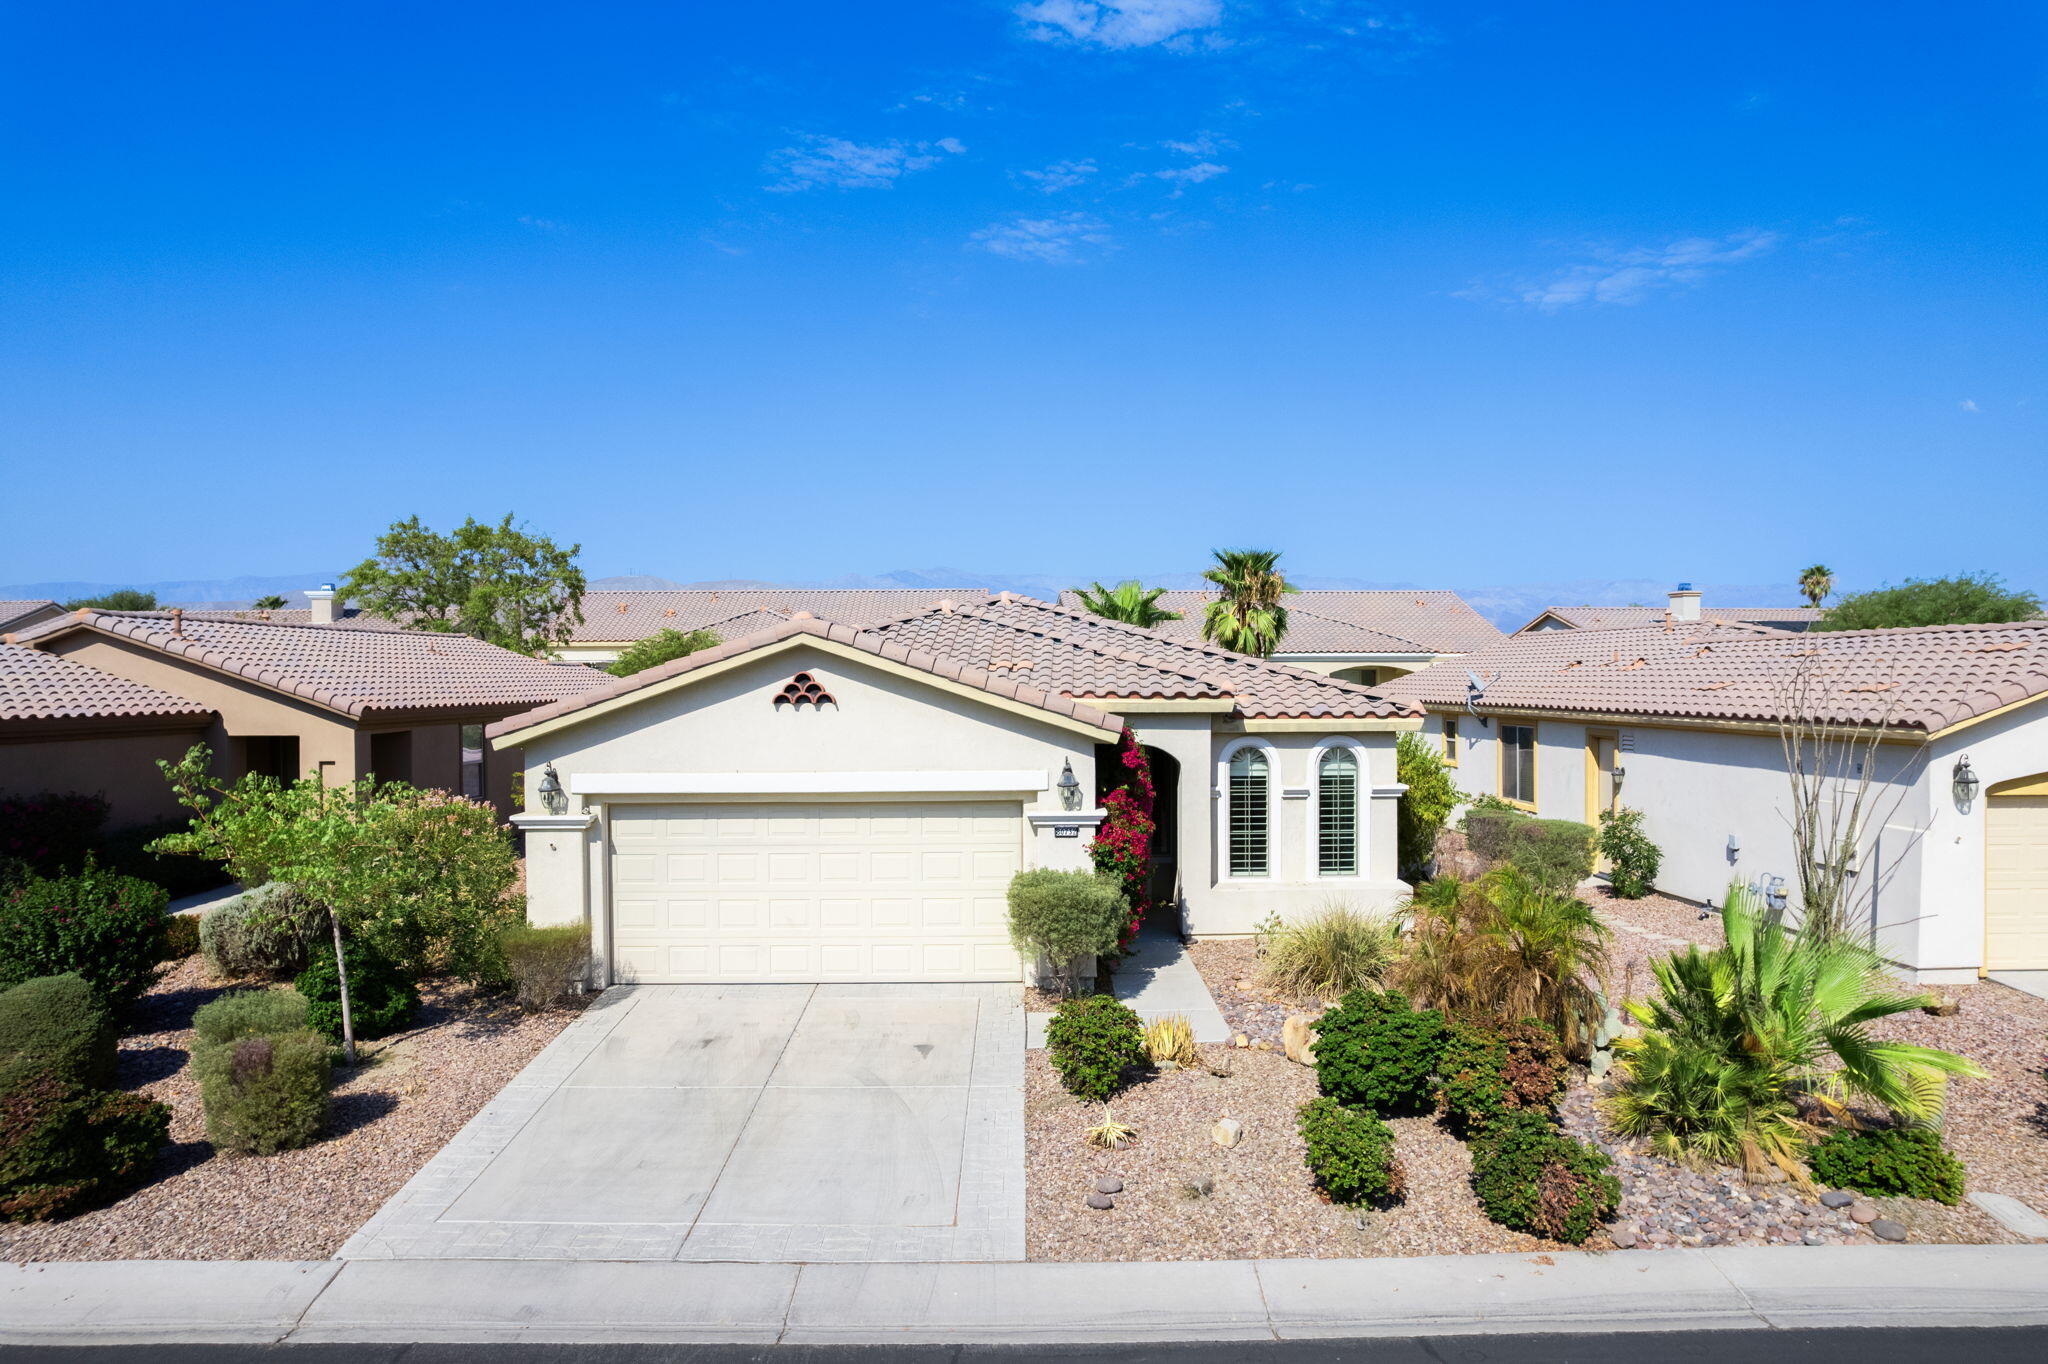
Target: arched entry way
x: 1165, y: 882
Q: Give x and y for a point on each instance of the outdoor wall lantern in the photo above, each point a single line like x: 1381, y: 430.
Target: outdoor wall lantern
x: 1965, y: 781
x: 553, y: 799
x: 1070, y: 789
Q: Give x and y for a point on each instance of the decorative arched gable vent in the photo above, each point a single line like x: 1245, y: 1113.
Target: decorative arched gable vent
x: 803, y: 690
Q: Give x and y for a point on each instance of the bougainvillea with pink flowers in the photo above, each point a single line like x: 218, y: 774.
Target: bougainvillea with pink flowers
x: 1123, y: 845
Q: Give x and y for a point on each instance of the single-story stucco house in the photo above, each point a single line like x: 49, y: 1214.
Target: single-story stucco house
x: 1684, y: 605
x: 292, y: 699
x: 818, y: 802
x: 1683, y: 722
x: 1364, y: 635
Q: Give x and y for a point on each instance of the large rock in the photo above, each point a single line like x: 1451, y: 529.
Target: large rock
x: 1298, y: 1038
x: 1227, y: 1132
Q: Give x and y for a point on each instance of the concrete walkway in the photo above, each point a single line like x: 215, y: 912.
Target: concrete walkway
x: 1157, y: 979
x: 397, y: 1301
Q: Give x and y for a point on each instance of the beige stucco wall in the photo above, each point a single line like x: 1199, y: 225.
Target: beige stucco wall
x: 116, y: 764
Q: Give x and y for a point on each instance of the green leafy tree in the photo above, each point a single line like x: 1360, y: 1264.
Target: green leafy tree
x: 1247, y: 615
x: 660, y: 647
x: 496, y: 582
x: 1425, y: 805
x: 273, y: 602
x: 1130, y: 601
x: 126, y: 599
x: 1815, y: 583
x: 1968, y: 599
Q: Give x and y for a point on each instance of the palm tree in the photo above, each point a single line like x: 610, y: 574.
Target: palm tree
x: 273, y: 602
x: 1815, y: 584
x: 1130, y: 601
x: 1739, y: 1036
x: 1247, y: 615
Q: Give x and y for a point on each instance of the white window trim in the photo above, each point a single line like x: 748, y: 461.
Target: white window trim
x: 1222, y: 789
x: 1361, y: 801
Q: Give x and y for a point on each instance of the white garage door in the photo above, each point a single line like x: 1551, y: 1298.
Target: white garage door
x: 2016, y: 883
x: 886, y: 891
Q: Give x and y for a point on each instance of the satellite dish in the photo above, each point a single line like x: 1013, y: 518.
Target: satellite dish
x: 1475, y: 692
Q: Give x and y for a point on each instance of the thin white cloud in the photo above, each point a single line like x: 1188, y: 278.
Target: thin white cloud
x: 1178, y: 24
x: 838, y: 163
x: 1631, y: 275
x: 1969, y: 405
x: 1180, y: 177
x: 1060, y: 175
x: 1060, y: 239
x: 1204, y: 143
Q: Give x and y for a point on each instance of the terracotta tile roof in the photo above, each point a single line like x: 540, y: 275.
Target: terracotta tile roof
x: 1924, y: 678
x: 39, y: 686
x: 1636, y: 617
x: 618, y: 616
x: 354, y: 618
x: 353, y: 671
x: 19, y: 615
x: 1340, y: 621
x: 894, y: 650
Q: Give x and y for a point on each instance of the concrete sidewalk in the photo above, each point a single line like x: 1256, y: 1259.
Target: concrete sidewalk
x: 540, y: 1301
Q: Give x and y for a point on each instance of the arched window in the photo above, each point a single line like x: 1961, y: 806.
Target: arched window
x: 1337, y: 813
x: 1249, y: 818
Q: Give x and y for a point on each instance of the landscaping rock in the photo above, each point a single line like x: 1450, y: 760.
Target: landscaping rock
x: 1862, y: 1213
x: 1227, y: 1132
x: 1623, y: 1234
x: 1201, y: 1186
x: 1884, y: 1229
x: 1262, y: 1045
x: 1109, y: 1184
x: 1941, y: 1008
x: 1240, y: 1041
x: 1836, y: 1198
x: 1298, y: 1038
x: 1101, y: 1202
x: 1812, y: 1238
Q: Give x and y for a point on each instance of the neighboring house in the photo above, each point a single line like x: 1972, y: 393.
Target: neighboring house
x: 66, y: 727
x: 614, y: 620
x: 1684, y: 606
x: 1356, y: 636
x: 1682, y: 722
x: 21, y: 615
x: 292, y: 699
x: 817, y: 802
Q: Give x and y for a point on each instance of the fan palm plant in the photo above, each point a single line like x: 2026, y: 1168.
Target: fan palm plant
x: 1247, y: 615
x: 1130, y: 601
x: 1815, y: 583
x: 1741, y: 1039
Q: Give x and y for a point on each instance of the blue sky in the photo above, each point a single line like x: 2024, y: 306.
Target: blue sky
x: 1449, y: 294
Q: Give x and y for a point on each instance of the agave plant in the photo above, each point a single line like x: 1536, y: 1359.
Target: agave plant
x: 1110, y: 1134
x: 1741, y: 1038
x: 1171, y: 1038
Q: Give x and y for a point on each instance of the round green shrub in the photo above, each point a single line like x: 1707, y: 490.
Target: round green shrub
x: 265, y: 1093
x: 1484, y: 1072
x: 1351, y: 1154
x: 1092, y: 1042
x: 1903, y: 1160
x: 1633, y: 860
x: 545, y: 963
x: 56, y: 1025
x: 1534, y: 1178
x: 97, y: 924
x: 1376, y: 1053
x: 250, y: 1013
x: 267, y: 933
x: 65, y: 1147
x: 382, y: 1001
x: 1066, y: 914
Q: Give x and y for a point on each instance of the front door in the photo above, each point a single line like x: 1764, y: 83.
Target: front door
x: 1603, y: 789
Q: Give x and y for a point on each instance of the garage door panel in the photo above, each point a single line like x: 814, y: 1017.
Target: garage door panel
x: 912, y: 891
x: 2016, y: 883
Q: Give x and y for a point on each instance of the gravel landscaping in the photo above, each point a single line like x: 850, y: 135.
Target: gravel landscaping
x: 413, y: 1092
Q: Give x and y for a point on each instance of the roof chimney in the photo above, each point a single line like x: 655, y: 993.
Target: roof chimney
x: 1685, y: 603
x: 325, y: 608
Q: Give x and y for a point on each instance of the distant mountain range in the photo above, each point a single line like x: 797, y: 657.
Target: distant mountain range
x: 1507, y: 606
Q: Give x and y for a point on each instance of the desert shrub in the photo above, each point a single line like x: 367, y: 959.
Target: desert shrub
x: 1632, y: 859
x: 50, y: 833
x: 64, y: 1146
x: 181, y: 936
x: 1900, y: 1160
x: 269, y: 933
x: 1536, y: 1066
x: 264, y: 1093
x: 1501, y: 949
x: 663, y: 646
x: 1425, y: 805
x: 1534, y: 1178
x: 1487, y: 823
x: 382, y: 999
x: 1376, y: 1053
x: 545, y: 964
x: 56, y: 1025
x: 1485, y: 1072
x: 1328, y: 954
x: 127, y: 851
x: 1092, y: 1042
x: 1556, y: 854
x: 249, y: 1013
x: 1066, y: 914
x: 1350, y: 1153
x: 97, y: 924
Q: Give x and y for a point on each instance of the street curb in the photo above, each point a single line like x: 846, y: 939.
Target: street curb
x: 1018, y: 1303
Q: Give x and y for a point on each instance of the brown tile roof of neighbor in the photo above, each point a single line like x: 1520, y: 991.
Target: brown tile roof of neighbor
x: 1924, y: 678
x: 347, y: 670
x: 1345, y: 621
x: 19, y: 615
x: 1636, y: 617
x: 615, y: 616
x: 39, y: 686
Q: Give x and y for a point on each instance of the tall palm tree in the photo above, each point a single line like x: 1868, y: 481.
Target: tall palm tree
x: 1130, y: 601
x: 1247, y: 615
x: 1815, y: 584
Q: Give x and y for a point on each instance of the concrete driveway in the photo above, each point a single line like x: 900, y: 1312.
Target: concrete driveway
x: 742, y: 1122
